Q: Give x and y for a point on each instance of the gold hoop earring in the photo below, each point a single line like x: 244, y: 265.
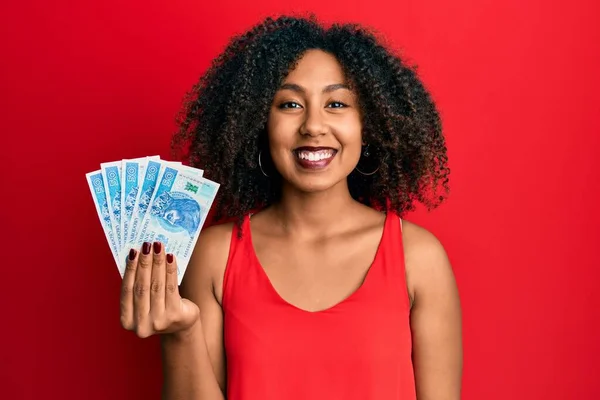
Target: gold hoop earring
x: 366, y: 153
x: 366, y: 173
x: 260, y: 164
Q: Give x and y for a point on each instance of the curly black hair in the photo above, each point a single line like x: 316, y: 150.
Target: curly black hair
x: 222, y: 124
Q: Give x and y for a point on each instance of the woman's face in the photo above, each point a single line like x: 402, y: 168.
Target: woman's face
x: 314, y: 126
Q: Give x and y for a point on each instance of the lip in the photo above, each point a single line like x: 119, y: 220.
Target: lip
x: 315, y: 164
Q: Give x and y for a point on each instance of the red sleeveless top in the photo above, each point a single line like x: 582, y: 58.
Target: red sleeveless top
x: 358, y: 349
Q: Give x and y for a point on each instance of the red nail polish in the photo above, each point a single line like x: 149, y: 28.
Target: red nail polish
x: 169, y: 258
x: 146, y: 248
x: 156, y: 246
x: 132, y: 254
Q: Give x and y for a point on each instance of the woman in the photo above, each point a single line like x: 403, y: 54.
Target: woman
x: 321, y: 139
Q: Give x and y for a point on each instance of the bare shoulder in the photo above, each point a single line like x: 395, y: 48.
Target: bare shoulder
x: 202, y: 284
x: 421, y: 244
x: 425, y: 257
x: 214, y: 242
x: 435, y: 316
x: 209, y: 259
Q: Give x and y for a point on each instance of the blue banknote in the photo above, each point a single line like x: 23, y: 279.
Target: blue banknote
x: 144, y: 194
x: 152, y: 174
x: 126, y: 193
x: 95, y: 182
x: 176, y: 213
x: 132, y: 176
x: 111, y: 172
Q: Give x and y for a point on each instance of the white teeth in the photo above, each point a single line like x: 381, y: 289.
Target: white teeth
x: 315, y: 155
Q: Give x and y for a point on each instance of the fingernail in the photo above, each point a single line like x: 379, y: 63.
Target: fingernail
x: 146, y: 248
x: 156, y: 247
x: 132, y: 253
x: 169, y: 258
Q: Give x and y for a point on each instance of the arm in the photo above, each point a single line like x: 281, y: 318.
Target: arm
x: 194, y: 360
x: 435, y: 317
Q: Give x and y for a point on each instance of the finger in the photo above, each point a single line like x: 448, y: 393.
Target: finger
x: 127, y: 320
x: 141, y: 288
x: 172, y: 297
x: 157, y: 282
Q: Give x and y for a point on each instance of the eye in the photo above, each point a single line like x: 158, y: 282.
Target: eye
x: 289, y: 104
x: 337, y: 104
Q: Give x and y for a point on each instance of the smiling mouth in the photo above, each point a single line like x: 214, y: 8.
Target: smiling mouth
x: 314, y: 157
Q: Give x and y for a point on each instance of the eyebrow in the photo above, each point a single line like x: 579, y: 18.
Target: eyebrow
x: 327, y: 89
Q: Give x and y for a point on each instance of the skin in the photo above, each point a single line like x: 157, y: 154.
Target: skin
x: 315, y: 245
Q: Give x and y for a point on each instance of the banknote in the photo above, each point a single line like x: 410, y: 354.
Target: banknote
x: 168, y: 200
x: 151, y: 174
x: 132, y: 176
x: 176, y: 213
x: 111, y: 173
x: 96, y: 185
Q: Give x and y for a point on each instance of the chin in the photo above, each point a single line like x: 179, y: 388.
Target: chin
x: 315, y: 184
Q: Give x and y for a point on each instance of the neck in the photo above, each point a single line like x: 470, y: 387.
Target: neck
x: 309, y: 214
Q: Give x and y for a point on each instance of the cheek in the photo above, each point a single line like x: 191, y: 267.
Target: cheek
x: 352, y: 152
x: 281, y: 134
x: 278, y: 146
x: 350, y: 137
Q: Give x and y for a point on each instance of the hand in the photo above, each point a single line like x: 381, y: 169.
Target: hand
x: 150, y: 300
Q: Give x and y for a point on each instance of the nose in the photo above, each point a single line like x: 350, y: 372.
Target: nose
x: 315, y: 123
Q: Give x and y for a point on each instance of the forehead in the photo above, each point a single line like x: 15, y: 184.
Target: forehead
x: 316, y: 68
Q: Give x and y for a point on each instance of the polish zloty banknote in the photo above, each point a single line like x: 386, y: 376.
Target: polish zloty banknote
x: 123, y: 192
x: 132, y: 176
x: 142, y: 201
x: 96, y: 184
x: 111, y: 172
x: 177, y: 212
x: 153, y: 171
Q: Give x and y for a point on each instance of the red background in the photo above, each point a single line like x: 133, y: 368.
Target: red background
x: 517, y: 83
